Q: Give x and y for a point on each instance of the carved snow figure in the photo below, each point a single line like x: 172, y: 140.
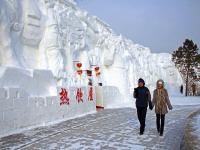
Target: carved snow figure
x: 51, y: 46
x: 55, y: 34
x: 21, y: 33
x: 9, y: 26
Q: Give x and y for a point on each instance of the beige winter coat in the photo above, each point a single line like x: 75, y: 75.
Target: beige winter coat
x: 161, y: 100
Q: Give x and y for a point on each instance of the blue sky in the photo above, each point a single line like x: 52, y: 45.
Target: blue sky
x: 161, y: 25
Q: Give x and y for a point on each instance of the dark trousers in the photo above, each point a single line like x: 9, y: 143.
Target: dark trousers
x: 194, y: 93
x: 160, y: 122
x: 141, y: 112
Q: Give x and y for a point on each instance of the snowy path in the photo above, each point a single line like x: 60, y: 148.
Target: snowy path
x: 192, y: 133
x: 108, y: 129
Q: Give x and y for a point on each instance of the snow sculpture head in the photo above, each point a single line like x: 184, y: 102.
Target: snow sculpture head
x: 21, y: 32
x: 9, y: 26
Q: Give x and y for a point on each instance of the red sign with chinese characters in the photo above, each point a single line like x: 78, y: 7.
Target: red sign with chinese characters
x: 90, y: 96
x: 64, y: 99
x: 79, y: 95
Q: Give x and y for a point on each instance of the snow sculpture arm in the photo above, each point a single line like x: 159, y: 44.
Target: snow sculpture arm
x: 51, y: 45
x: 109, y: 57
x: 7, y: 20
x: 110, y: 51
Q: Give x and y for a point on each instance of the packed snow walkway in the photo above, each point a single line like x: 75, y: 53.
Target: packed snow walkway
x: 108, y: 129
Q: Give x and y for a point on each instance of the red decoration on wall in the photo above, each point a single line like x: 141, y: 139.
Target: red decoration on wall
x: 79, y: 72
x: 64, y: 99
x: 79, y: 65
x: 90, y: 96
x: 98, y: 74
x: 96, y: 69
x: 79, y: 95
x: 78, y: 69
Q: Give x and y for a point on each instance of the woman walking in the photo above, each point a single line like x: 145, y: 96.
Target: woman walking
x: 161, y: 102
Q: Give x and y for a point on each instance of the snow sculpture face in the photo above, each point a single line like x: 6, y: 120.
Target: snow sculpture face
x: 32, y: 28
x: 21, y: 32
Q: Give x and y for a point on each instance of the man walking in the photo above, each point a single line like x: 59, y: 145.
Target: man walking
x: 143, y: 99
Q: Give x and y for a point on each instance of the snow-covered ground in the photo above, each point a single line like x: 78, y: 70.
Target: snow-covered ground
x: 198, y: 126
x: 110, y: 129
x: 182, y: 100
x: 192, y: 132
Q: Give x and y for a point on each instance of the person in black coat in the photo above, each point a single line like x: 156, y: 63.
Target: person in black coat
x: 143, y: 100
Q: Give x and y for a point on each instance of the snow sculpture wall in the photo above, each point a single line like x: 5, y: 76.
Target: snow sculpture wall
x: 32, y: 82
x: 46, y: 34
x: 19, y: 111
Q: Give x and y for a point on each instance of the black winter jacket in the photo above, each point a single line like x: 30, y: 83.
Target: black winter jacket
x: 143, y: 97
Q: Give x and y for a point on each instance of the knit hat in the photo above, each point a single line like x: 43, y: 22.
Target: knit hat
x: 141, y: 80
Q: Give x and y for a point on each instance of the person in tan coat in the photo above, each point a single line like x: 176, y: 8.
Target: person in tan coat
x: 162, y: 104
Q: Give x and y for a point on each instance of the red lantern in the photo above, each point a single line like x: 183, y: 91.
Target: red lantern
x: 98, y: 73
x: 79, y: 65
x: 96, y: 69
x: 79, y: 72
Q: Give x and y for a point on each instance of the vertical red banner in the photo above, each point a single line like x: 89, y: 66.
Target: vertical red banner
x: 64, y: 98
x: 79, y: 95
x: 90, y: 95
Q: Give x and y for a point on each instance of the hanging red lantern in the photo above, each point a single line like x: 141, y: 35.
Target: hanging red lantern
x: 79, y: 65
x: 98, y: 73
x: 96, y: 69
x: 79, y: 72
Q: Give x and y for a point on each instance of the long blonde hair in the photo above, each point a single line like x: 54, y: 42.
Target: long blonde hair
x: 160, y: 81
x: 161, y: 95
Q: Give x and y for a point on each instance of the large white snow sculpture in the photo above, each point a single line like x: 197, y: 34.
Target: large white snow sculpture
x: 54, y: 35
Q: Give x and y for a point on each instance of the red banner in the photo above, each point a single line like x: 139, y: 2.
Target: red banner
x: 64, y: 99
x: 90, y: 96
x: 79, y: 95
